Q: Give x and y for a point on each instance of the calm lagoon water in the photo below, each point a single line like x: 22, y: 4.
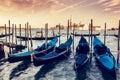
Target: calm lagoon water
x: 58, y: 70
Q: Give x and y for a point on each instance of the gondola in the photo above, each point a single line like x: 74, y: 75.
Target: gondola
x: 86, y: 34
x: 4, y: 35
x: 35, y: 38
x: 82, y: 54
x: 61, y: 52
x: 39, y: 51
x: 104, y: 57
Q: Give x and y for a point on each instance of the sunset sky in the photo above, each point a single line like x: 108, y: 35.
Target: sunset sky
x: 39, y: 12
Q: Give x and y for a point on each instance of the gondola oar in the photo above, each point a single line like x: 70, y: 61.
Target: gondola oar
x: 105, y: 35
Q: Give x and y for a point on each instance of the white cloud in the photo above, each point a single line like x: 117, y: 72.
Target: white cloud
x: 101, y: 1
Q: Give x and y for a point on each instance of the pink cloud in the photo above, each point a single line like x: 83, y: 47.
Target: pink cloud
x: 110, y: 5
x: 30, y: 5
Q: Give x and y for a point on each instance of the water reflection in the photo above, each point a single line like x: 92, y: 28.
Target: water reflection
x: 81, y: 74
x: 106, y: 74
x: 19, y: 69
x: 45, y: 69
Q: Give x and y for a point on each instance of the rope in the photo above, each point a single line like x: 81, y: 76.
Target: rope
x: 32, y: 54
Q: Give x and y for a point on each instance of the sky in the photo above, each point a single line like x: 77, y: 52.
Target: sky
x: 53, y: 12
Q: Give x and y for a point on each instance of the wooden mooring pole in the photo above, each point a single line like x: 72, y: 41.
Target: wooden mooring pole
x: 25, y: 34
x: 41, y: 32
x: 9, y: 38
x: 31, y: 37
x: 20, y: 34
x: 68, y: 32
x: 46, y: 35
x: 73, y: 35
x: 12, y: 35
x: 118, y: 55
x: 53, y: 31
x: 105, y: 34
x: 91, y: 32
x: 5, y: 33
x: 28, y: 35
x: 59, y: 33
x: 15, y: 35
x: 68, y: 29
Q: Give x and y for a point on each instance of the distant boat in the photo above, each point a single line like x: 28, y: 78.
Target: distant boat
x: 61, y: 52
x: 104, y: 57
x: 4, y: 35
x: 35, y: 38
x: 85, y: 34
x: 40, y: 50
x: 116, y: 35
x: 82, y: 54
x: 108, y: 34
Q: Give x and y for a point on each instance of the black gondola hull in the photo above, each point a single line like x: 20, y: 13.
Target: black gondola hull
x: 38, y: 62
x: 16, y: 59
x: 35, y: 38
x: 13, y: 59
x: 4, y: 35
x: 86, y: 34
x: 104, y: 70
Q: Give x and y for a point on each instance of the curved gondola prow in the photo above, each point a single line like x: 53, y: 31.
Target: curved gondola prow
x: 69, y: 42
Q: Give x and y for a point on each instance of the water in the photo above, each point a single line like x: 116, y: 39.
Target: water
x: 58, y: 70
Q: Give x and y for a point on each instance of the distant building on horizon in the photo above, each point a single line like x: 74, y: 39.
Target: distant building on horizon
x: 113, y: 29
x: 96, y: 28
